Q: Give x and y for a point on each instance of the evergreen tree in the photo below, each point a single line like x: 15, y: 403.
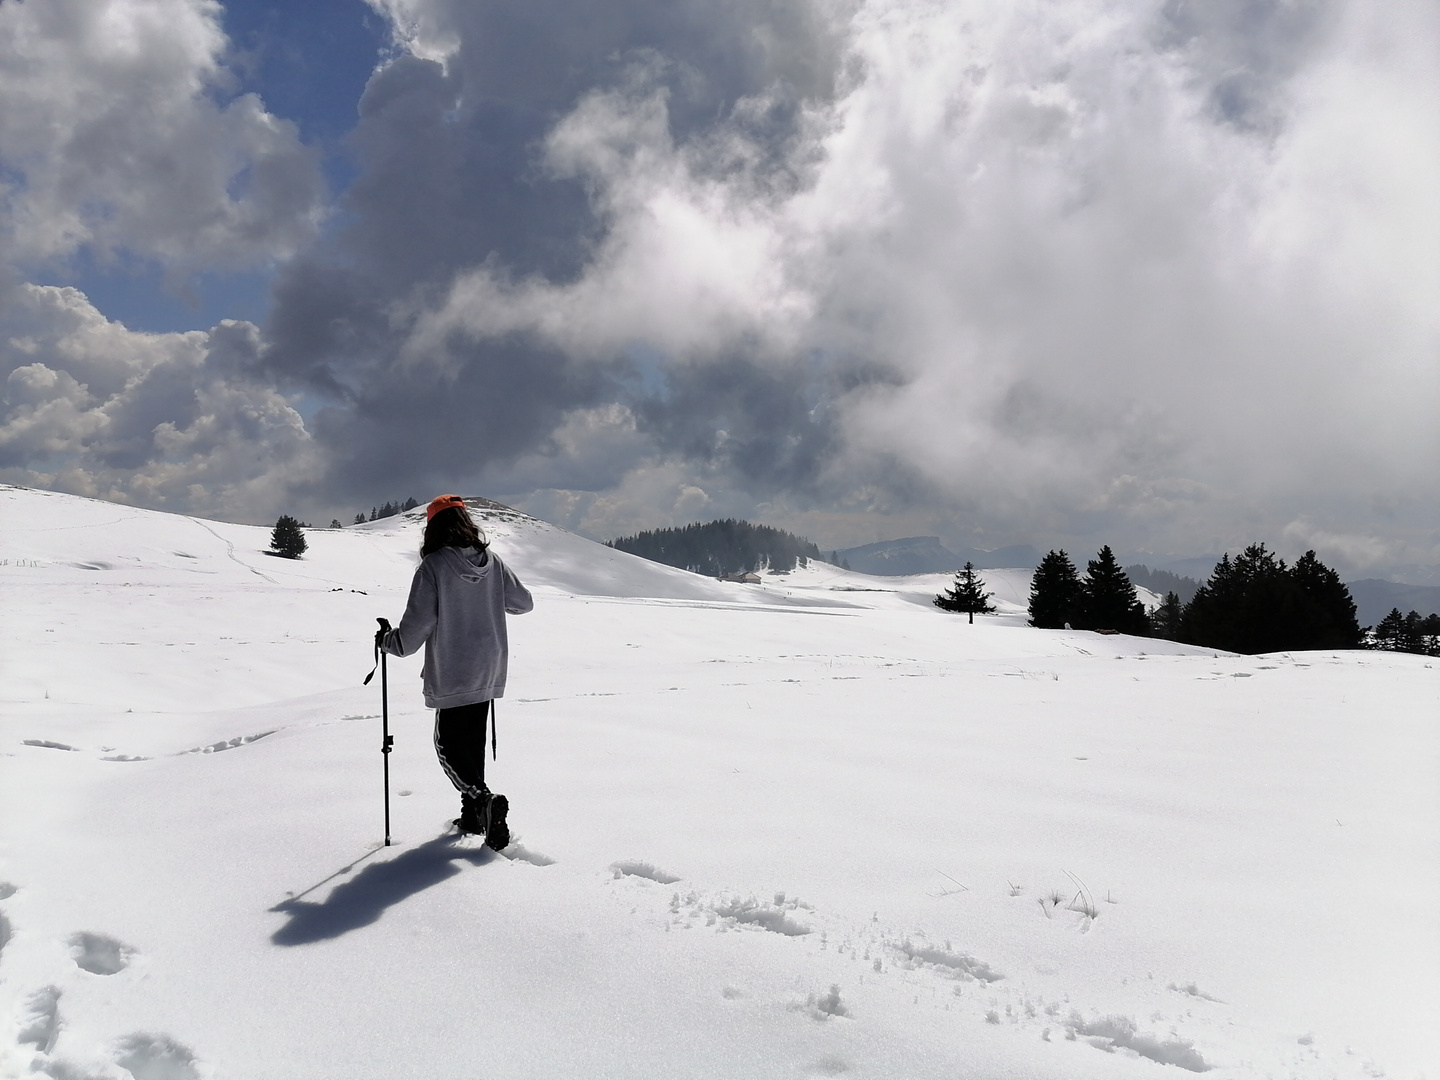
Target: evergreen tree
x: 410, y: 504
x: 287, y: 539
x: 1108, y: 600
x: 1165, y: 620
x: 1326, y: 619
x: 1054, y: 592
x: 360, y: 518
x: 1244, y: 605
x: 335, y: 523
x: 1255, y: 604
x: 1408, y: 633
x: 967, y: 594
x: 1389, y: 630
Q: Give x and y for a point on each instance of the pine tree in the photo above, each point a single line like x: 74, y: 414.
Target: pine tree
x: 1108, y: 600
x: 287, y: 539
x: 1408, y: 633
x: 335, y: 523
x: 1389, y: 629
x: 1054, y: 592
x: 360, y: 518
x: 1256, y: 604
x: 1165, y: 620
x: 1244, y: 605
x: 967, y: 594
x: 1326, y: 618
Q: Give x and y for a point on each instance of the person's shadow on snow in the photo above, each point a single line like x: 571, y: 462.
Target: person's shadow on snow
x: 364, y: 898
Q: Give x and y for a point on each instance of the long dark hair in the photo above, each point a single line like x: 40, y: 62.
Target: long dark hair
x: 452, y: 527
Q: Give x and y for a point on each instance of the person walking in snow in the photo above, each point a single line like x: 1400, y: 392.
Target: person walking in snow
x: 459, y: 598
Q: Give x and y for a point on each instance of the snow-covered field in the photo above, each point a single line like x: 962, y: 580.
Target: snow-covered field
x: 809, y: 828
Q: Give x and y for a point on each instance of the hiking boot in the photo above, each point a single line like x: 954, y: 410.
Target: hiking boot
x: 497, y: 832
x: 473, y: 818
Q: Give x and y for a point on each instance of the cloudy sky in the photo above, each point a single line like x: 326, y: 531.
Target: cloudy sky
x: 1163, y: 274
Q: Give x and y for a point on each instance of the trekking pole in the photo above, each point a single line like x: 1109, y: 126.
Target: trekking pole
x: 387, y: 740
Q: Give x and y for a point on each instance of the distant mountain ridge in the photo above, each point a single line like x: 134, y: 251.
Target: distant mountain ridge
x: 1374, y: 599
x: 926, y: 555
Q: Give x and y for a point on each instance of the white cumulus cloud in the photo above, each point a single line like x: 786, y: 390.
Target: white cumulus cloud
x: 118, y: 135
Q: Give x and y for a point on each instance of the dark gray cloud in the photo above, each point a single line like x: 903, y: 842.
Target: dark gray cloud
x: 454, y: 175
x: 1038, y: 270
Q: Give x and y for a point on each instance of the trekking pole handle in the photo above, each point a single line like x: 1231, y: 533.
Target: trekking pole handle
x: 379, y: 654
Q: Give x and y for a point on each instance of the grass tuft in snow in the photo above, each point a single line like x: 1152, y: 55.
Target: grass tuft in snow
x: 1082, y: 901
x: 1191, y: 990
x: 827, y: 1005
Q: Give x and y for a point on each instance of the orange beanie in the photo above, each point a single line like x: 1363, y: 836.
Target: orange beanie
x: 443, y: 502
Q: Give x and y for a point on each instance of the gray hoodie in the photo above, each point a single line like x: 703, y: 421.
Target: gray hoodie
x: 458, y: 601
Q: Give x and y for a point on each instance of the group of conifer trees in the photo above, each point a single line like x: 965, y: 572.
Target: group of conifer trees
x: 388, y: 510
x: 1253, y: 603
x: 1104, y: 599
x: 1408, y: 633
x: 720, y: 547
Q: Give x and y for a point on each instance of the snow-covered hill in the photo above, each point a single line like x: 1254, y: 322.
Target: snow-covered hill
x: 807, y: 827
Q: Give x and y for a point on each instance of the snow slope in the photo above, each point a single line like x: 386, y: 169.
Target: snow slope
x: 812, y: 827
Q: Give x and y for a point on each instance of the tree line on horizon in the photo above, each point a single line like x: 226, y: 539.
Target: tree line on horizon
x: 1254, y: 603
x: 387, y: 510
x: 719, y: 548
x: 1407, y: 633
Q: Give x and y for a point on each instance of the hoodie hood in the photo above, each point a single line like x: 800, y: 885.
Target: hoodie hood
x: 472, y: 564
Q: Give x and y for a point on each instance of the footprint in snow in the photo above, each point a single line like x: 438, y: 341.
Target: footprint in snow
x: 228, y: 744
x: 6, y: 891
x: 151, y: 1056
x: 634, y: 868
x: 100, y: 955
x: 40, y: 1023
x: 518, y: 852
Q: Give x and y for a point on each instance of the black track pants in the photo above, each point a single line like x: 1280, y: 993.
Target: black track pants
x: 460, y: 745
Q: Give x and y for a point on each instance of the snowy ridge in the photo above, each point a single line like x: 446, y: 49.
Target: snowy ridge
x: 808, y: 827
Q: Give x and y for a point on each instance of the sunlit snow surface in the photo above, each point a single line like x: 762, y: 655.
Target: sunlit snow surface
x: 809, y: 828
